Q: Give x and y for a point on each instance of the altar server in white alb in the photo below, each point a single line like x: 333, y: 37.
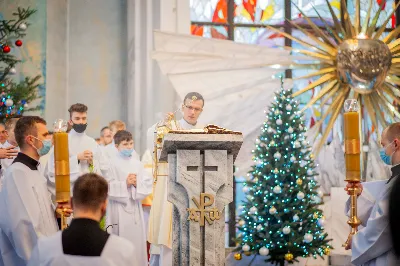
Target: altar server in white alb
x: 84, y: 242
x: 26, y: 209
x: 86, y: 156
x: 129, y: 184
x: 160, y: 220
x: 372, y: 244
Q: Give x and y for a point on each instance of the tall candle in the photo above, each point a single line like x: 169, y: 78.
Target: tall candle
x: 352, y: 143
x: 61, y: 162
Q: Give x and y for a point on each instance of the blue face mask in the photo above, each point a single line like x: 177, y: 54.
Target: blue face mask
x: 386, y: 158
x: 126, y: 152
x: 45, y: 148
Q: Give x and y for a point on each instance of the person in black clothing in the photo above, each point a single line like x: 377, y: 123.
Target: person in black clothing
x: 84, y: 242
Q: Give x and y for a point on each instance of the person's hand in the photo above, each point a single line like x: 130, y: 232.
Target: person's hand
x: 85, y: 156
x: 64, y: 208
x: 354, y: 185
x: 131, y: 180
x: 8, y: 153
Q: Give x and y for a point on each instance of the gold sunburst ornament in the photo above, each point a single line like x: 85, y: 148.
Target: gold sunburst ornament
x: 356, y: 61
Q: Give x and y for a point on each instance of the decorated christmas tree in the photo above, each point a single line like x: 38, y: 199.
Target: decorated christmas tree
x: 281, y: 219
x: 15, y: 95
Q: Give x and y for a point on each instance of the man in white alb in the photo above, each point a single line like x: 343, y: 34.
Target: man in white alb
x: 25, y: 206
x: 84, y: 242
x: 160, y: 220
x: 86, y: 156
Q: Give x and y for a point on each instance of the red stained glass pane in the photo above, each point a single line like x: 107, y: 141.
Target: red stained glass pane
x: 216, y: 32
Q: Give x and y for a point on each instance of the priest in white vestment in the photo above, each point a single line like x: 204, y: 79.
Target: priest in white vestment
x: 26, y: 210
x: 160, y: 220
x: 83, y: 242
x: 86, y: 156
x: 372, y: 244
x: 129, y: 184
x: 110, y: 150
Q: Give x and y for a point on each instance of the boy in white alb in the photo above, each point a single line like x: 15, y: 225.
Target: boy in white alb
x: 129, y: 183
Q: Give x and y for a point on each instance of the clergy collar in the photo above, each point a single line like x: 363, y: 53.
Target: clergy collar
x: 85, y: 221
x: 395, y: 170
x: 26, y: 160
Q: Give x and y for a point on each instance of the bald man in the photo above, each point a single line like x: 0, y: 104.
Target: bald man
x: 372, y: 244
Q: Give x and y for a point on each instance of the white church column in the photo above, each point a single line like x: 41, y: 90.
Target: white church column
x: 149, y: 94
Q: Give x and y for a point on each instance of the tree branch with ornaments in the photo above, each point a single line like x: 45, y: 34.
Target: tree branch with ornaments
x: 15, y: 95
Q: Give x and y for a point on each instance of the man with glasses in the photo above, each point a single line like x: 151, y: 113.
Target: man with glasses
x: 160, y: 220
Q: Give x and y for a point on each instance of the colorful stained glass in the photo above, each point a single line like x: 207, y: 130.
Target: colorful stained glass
x: 260, y: 36
x: 209, y: 10
x: 216, y: 32
x: 259, y: 11
x: 308, y: 7
x: 364, y: 4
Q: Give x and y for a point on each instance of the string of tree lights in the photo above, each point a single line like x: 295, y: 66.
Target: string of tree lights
x: 16, y: 92
x: 281, y: 219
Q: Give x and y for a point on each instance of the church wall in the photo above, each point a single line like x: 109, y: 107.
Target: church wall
x: 87, y: 59
x: 98, y: 52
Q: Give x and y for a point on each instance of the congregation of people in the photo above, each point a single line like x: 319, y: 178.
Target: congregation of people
x: 111, y: 194
x: 108, y: 181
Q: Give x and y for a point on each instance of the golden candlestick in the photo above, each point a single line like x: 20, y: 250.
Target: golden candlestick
x: 352, y: 156
x: 61, y: 163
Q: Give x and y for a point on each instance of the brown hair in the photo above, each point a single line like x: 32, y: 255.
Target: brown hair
x: 10, y: 123
x: 26, y: 126
x: 90, y: 191
x: 117, y: 125
x: 122, y: 135
x: 190, y: 96
x: 77, y: 108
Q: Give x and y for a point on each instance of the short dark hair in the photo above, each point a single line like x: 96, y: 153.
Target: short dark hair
x: 78, y: 108
x: 102, y: 130
x: 193, y: 94
x: 90, y: 190
x: 25, y: 126
x: 393, y: 131
x: 122, y: 135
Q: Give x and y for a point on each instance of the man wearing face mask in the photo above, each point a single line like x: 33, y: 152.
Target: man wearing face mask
x: 86, y: 156
x: 83, y: 242
x: 129, y: 183
x: 372, y: 244
x: 25, y: 206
